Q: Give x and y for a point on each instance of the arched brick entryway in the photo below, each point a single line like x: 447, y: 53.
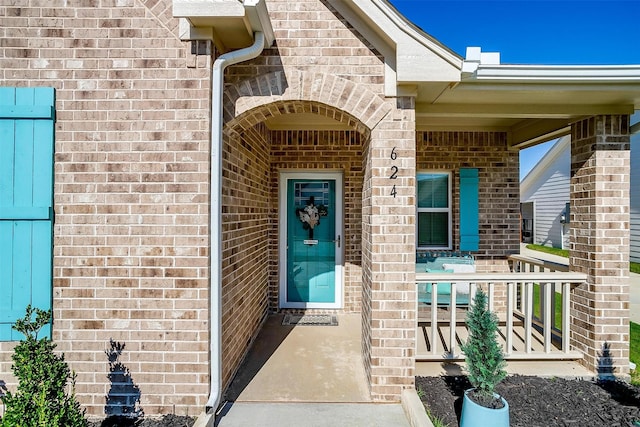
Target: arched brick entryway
x: 253, y: 155
x: 250, y: 101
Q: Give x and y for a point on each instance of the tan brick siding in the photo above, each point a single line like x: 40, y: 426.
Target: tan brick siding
x: 312, y: 37
x: 499, y: 187
x: 599, y: 241
x: 246, y: 198
x: 390, y: 250
x: 131, y: 184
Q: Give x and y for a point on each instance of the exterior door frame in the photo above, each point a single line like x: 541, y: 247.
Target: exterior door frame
x: 284, y: 179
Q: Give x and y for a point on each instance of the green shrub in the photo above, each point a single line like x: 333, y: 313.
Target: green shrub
x: 41, y: 399
x: 484, y: 357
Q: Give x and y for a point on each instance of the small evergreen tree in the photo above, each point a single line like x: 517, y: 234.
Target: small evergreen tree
x: 484, y: 357
x: 41, y: 399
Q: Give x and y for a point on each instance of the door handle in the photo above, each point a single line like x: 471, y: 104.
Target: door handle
x: 337, y: 240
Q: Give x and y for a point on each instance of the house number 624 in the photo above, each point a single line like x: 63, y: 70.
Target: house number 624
x: 394, y: 172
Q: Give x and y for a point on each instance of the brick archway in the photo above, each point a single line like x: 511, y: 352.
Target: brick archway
x: 247, y: 103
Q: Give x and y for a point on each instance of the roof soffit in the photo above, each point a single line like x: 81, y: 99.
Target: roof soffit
x: 230, y: 24
x: 534, y: 103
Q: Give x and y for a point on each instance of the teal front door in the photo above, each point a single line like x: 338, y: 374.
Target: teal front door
x: 311, y: 222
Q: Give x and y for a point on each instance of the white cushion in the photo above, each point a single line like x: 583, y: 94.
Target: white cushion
x: 461, y: 287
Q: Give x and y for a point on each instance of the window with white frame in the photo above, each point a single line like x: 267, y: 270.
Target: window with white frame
x: 434, y: 210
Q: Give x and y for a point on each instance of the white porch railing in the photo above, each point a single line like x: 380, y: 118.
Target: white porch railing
x: 527, y: 330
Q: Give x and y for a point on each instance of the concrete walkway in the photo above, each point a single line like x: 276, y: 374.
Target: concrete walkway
x: 634, y: 280
x: 243, y: 414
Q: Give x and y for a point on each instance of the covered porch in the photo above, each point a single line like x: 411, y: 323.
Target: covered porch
x: 551, y: 360
x: 533, y: 303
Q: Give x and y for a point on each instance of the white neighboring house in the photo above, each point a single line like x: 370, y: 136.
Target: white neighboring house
x: 544, y: 196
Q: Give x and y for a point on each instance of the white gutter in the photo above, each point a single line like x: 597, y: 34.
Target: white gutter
x: 217, y: 90
x: 480, y: 65
x: 560, y: 73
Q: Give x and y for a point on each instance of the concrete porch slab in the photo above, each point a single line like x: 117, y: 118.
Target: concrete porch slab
x: 305, y: 376
x: 303, y: 364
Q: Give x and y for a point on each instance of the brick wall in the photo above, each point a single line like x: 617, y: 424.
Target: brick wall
x: 131, y: 184
x: 312, y: 37
x: 246, y: 198
x: 499, y: 187
x: 599, y: 240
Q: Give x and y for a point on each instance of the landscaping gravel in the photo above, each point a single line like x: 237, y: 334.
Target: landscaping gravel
x: 535, y: 401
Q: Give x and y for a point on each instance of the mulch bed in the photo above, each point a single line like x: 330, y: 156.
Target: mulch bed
x: 535, y: 401
x: 165, y: 421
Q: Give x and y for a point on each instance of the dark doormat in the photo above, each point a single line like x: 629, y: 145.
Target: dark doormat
x: 310, y: 320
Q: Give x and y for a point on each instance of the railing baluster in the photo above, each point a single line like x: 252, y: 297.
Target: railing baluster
x: 566, y: 311
x: 543, y: 302
x: 511, y: 288
x: 528, y: 311
x: 452, y: 332
x: 434, y: 317
x: 553, y: 305
x: 546, y: 323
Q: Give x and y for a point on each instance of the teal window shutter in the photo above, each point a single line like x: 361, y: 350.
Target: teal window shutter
x: 26, y: 203
x: 469, y: 210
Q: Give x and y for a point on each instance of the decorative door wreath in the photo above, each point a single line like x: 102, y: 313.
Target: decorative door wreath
x: 310, y: 215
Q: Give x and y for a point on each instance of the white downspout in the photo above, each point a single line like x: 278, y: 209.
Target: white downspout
x: 217, y: 88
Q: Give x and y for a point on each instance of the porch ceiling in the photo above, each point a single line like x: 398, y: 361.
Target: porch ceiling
x: 531, y: 111
x: 304, y: 121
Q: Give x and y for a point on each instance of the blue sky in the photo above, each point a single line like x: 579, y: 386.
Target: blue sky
x: 551, y: 32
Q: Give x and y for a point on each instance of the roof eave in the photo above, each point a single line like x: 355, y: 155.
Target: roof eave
x: 230, y: 24
x: 560, y: 74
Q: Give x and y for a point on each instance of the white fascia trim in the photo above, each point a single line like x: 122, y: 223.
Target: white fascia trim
x: 400, y: 38
x: 411, y: 30
x: 556, y: 73
x: 258, y: 16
